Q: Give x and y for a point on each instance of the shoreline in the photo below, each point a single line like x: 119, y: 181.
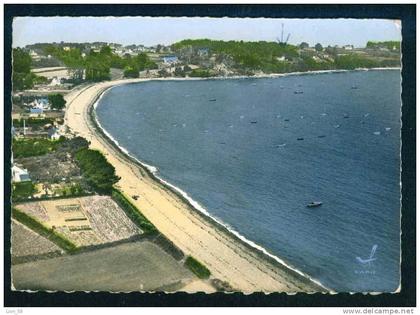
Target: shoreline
x: 245, y: 77
x: 194, y: 205
x: 290, y: 274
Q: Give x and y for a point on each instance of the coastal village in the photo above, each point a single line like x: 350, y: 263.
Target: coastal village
x: 69, y: 215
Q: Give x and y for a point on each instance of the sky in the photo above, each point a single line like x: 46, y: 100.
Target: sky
x: 150, y: 31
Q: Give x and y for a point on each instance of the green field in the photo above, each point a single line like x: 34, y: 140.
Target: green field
x: 33, y: 147
x: 137, y: 266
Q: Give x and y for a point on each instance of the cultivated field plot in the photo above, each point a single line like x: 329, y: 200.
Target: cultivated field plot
x: 34, y: 209
x: 55, y: 166
x: 136, y: 266
x: 85, y: 221
x: 26, y: 242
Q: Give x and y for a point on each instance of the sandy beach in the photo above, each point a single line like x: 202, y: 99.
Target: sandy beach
x: 227, y: 257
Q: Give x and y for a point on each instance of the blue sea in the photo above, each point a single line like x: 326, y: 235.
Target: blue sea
x: 255, y: 152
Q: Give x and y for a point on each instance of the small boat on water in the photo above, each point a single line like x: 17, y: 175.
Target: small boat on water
x: 298, y: 92
x: 354, y: 87
x: 300, y: 139
x: 314, y: 204
x: 212, y: 100
x: 253, y: 122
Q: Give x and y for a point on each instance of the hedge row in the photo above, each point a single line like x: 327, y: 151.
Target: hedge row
x: 197, y: 268
x: 41, y: 229
x: 132, y: 212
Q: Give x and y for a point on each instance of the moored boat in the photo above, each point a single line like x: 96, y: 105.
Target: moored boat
x: 314, y: 204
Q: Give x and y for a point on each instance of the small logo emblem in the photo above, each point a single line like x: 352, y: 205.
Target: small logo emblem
x: 368, y: 261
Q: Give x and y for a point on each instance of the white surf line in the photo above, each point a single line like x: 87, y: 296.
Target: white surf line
x: 154, y: 170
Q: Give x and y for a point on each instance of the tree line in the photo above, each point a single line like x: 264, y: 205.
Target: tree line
x: 96, y: 170
x: 260, y: 55
x: 22, y: 77
x: 97, y: 65
x: 93, y: 66
x: 391, y: 45
x: 271, y: 57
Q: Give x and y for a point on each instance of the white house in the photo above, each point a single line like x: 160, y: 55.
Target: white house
x: 119, y: 52
x: 41, y: 103
x: 53, y: 134
x: 55, y: 81
x: 20, y: 174
x: 203, y: 52
x: 316, y: 58
x: 170, y: 60
x: 36, y: 113
x: 34, y: 55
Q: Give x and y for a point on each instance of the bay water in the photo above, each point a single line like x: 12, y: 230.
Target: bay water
x: 255, y: 152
